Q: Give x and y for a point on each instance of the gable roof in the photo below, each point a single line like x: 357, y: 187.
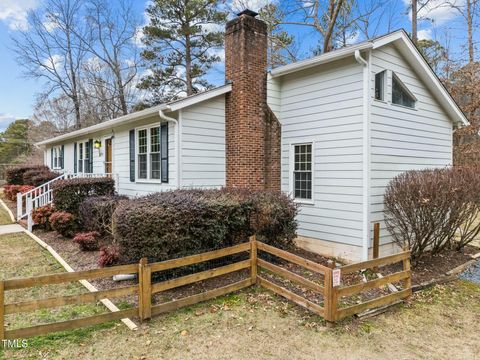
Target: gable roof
x: 142, y: 114
x: 404, y: 44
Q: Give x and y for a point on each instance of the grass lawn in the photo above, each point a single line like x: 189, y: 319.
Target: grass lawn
x: 4, y: 217
x: 439, y: 323
x: 23, y: 257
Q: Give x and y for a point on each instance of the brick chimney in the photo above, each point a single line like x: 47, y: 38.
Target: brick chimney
x: 252, y: 131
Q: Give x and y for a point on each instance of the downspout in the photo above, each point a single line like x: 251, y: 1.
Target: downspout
x: 177, y: 144
x: 366, y: 155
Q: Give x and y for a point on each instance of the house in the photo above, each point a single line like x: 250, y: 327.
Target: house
x: 331, y: 131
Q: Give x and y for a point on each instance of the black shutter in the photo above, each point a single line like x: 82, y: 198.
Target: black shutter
x: 75, y: 158
x: 62, y: 161
x: 132, y: 155
x: 90, y: 159
x: 51, y: 158
x: 164, y: 151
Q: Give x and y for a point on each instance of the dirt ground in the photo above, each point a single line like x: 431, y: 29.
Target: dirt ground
x: 440, y: 323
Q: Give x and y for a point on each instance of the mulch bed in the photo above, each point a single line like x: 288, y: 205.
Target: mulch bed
x: 430, y: 267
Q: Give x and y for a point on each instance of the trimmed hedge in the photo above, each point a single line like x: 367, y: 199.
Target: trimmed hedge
x: 37, y: 177
x: 96, y: 213
x: 184, y: 222
x: 69, y: 194
x: 14, y: 175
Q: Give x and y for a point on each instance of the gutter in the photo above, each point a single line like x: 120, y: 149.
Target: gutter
x: 366, y: 153
x: 177, y: 143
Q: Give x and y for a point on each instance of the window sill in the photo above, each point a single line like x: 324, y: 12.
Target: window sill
x: 150, y: 181
x: 381, y: 101
x: 405, y: 107
x: 304, y: 201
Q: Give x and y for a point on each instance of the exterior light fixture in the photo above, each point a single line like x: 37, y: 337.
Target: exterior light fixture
x: 97, y: 144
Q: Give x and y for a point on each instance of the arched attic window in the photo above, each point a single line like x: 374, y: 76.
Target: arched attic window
x: 400, y: 93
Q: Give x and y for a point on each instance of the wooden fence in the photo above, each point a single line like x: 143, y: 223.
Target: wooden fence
x: 145, y: 288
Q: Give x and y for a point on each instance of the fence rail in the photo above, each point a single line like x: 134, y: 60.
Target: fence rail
x: 145, y: 288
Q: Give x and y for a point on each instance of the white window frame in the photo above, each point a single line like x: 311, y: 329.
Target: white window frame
x: 385, y: 83
x: 57, y: 151
x: 148, y: 179
x: 292, y: 170
x: 83, y: 154
x: 406, y: 89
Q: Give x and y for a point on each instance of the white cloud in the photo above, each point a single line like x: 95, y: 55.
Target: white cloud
x: 15, y: 12
x: 424, y: 34
x: 53, y: 62
x: 254, y: 5
x: 439, y: 11
x: 5, y: 120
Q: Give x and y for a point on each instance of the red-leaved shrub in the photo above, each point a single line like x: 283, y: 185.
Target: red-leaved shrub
x: 41, y: 216
x: 88, y: 241
x: 109, y: 255
x: 11, y: 191
x: 63, y: 223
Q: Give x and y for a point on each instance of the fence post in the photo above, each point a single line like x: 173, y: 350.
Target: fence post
x: 29, y: 212
x: 2, y: 311
x: 253, y: 258
x: 408, y: 281
x: 330, y: 296
x: 19, y: 205
x: 376, y: 240
x: 144, y: 290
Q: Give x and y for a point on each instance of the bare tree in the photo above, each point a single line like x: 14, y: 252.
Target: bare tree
x: 469, y: 11
x: 51, y: 50
x: 111, y: 39
x: 320, y: 15
x: 57, y: 111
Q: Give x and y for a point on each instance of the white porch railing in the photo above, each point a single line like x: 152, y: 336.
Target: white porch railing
x: 43, y: 195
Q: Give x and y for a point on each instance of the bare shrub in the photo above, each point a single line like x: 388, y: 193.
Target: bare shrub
x: 425, y: 210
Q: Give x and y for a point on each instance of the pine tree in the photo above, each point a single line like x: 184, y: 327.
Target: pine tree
x: 181, y: 40
x: 281, y: 49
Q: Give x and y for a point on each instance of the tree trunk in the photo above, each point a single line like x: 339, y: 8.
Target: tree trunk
x: 471, y: 57
x: 74, y: 95
x: 121, y: 90
x: 334, y: 10
x: 414, y: 21
x: 188, y: 66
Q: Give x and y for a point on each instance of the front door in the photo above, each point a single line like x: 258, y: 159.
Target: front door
x: 108, y: 156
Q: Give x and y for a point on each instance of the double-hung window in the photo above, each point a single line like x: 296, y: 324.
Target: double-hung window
x: 57, y: 157
x: 149, y: 159
x: 80, y: 157
x: 155, y: 161
x: 302, y: 172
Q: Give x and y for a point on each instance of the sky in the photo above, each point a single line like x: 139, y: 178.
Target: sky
x: 17, y: 93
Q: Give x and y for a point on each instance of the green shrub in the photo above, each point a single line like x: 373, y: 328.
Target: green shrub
x: 96, y: 213
x: 14, y: 175
x: 87, y: 241
x: 63, y: 223
x: 41, y: 216
x: 69, y: 194
x: 183, y: 222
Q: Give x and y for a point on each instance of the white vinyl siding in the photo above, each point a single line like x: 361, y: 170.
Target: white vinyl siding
x: 203, y: 144
x: 323, y: 106
x: 402, y: 138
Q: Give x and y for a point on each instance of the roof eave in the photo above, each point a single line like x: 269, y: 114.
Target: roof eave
x: 319, y: 60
